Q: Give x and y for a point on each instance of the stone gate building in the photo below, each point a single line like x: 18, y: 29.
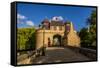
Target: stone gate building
x: 56, y: 33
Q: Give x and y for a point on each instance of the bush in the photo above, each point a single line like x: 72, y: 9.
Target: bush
x: 87, y: 39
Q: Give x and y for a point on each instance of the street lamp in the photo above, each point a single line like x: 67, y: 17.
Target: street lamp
x: 44, y: 48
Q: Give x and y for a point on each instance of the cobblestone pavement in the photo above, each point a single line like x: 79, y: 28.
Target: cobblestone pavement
x: 60, y: 54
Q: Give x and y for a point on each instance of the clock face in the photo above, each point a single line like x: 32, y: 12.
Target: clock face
x: 57, y: 18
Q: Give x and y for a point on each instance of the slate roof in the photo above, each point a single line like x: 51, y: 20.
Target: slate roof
x: 46, y: 21
x: 56, y: 23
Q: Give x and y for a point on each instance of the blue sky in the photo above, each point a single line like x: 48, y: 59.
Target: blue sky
x: 33, y: 14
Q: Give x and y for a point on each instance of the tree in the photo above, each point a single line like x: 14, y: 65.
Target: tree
x: 25, y: 38
x: 88, y: 39
x: 92, y: 19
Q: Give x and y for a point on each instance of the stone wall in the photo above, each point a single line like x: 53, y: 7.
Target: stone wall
x: 72, y: 37
x: 47, y: 34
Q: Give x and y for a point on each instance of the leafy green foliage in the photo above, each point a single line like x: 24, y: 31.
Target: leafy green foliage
x: 92, y: 19
x: 88, y: 37
x: 25, y: 38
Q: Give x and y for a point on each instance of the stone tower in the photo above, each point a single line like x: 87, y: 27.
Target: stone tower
x: 71, y: 37
x: 67, y: 28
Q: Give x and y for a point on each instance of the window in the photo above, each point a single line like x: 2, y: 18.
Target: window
x: 54, y: 27
x: 60, y: 27
x: 68, y: 27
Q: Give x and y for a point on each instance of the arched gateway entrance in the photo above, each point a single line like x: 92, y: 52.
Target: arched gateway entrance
x: 57, y: 40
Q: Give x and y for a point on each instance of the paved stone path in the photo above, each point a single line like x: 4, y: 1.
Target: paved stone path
x: 60, y: 54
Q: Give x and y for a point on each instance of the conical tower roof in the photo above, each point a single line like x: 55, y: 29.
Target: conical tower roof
x: 71, y: 26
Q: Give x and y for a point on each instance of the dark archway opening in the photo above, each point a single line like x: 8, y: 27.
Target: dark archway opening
x: 57, y: 40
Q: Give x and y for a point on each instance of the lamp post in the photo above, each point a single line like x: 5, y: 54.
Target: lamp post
x: 43, y: 35
x: 43, y: 49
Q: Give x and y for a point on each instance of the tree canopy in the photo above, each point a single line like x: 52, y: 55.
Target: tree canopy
x: 88, y: 35
x: 25, y: 38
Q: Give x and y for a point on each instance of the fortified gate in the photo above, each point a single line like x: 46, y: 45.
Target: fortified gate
x: 56, y: 33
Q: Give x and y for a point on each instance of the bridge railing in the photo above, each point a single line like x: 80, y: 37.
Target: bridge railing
x: 30, y: 54
x: 89, y: 53
x: 85, y: 51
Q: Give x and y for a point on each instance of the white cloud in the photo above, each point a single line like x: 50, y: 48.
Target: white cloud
x: 21, y: 19
x: 29, y: 23
x: 19, y: 16
x: 20, y: 22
